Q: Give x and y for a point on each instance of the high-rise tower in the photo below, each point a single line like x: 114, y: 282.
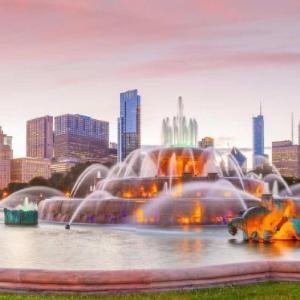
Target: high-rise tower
x: 129, y: 123
x: 258, y: 138
x: 39, y: 137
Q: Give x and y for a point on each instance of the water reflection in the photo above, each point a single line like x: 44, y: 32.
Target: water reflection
x: 269, y: 250
x: 112, y: 248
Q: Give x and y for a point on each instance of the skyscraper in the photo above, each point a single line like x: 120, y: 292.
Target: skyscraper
x: 129, y: 123
x: 258, y: 139
x: 6, y: 155
x: 286, y: 158
x: 80, y: 137
x: 39, y: 137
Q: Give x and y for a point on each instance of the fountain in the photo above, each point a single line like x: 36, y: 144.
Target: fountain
x: 157, y: 203
x: 176, y: 184
x: 178, y: 171
x: 25, y: 214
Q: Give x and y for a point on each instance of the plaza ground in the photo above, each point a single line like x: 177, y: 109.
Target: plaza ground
x: 272, y: 291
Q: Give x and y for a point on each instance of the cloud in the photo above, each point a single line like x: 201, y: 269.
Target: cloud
x: 65, y: 30
x: 180, y: 64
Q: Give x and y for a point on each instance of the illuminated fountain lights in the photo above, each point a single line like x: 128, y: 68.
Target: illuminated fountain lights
x: 177, y: 183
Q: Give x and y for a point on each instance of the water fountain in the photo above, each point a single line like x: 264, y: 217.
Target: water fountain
x: 176, y: 184
x: 23, y: 214
x: 147, y: 175
x: 177, y: 178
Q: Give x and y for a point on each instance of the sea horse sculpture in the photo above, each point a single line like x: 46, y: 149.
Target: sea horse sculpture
x: 272, y: 221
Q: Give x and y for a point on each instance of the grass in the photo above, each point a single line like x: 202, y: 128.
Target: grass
x: 274, y: 291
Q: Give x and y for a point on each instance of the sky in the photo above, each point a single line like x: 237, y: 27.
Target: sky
x: 223, y: 57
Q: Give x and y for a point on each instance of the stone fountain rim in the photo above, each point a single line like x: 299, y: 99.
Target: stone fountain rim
x: 150, y: 280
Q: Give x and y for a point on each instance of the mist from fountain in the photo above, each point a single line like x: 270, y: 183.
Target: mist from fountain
x: 272, y: 178
x: 237, y: 169
x: 253, y: 175
x: 97, y: 195
x: 275, y: 190
x: 294, y: 189
x: 219, y: 195
x: 172, y: 170
x: 212, y: 164
x: 89, y: 177
x: 34, y: 194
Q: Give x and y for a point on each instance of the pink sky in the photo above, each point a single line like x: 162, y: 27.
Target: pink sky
x: 222, y: 57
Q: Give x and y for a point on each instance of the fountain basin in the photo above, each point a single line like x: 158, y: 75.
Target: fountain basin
x: 151, y: 187
x: 183, y: 211
x: 20, y: 217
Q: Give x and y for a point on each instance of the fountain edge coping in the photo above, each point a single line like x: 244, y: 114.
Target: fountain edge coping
x: 133, y: 281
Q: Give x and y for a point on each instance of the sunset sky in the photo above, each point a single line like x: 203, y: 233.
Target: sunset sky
x: 223, y: 57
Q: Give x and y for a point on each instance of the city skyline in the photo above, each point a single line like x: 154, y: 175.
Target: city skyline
x: 222, y: 58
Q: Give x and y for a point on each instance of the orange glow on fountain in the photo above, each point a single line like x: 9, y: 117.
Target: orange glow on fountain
x: 274, y: 220
x: 194, y: 218
x: 140, y: 216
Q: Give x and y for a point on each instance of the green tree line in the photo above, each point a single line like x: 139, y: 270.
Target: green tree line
x: 59, y: 181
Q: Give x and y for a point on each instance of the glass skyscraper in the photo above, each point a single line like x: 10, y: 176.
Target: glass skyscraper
x: 129, y: 123
x: 258, y: 139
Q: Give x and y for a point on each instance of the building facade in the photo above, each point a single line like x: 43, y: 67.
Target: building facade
x: 39, y: 138
x: 6, y: 154
x: 299, y: 133
x: 258, y: 140
x: 62, y: 167
x: 286, y: 158
x: 129, y: 124
x: 25, y: 169
x: 206, y: 142
x: 80, y: 137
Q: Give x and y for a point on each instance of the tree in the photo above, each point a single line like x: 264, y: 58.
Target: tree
x: 56, y: 181
x: 39, y: 181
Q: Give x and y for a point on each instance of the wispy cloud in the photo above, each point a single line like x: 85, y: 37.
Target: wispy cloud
x: 180, y: 64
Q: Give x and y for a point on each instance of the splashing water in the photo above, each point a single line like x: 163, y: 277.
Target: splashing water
x: 27, y: 206
x: 88, y: 179
x: 180, y: 132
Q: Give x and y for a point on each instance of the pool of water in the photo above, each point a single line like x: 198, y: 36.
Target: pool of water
x: 118, y: 247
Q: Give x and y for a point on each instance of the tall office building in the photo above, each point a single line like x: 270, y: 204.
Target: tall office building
x: 6, y: 155
x: 129, y: 123
x: 39, y: 137
x: 286, y: 158
x: 81, y: 137
x: 258, y: 139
